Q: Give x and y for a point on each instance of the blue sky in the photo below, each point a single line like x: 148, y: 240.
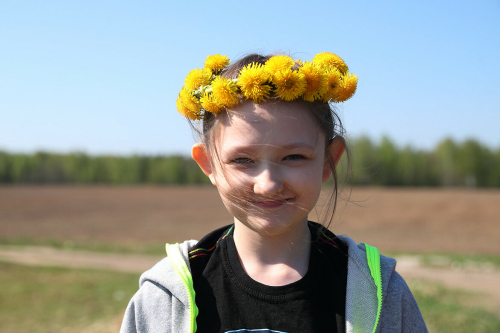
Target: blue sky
x: 103, y: 76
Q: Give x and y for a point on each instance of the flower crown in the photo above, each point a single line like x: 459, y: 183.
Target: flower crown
x: 325, y: 78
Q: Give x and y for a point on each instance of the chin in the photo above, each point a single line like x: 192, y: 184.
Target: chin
x: 271, y: 226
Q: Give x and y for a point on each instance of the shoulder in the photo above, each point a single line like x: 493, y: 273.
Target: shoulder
x: 400, y: 312
x: 162, y: 300
x: 201, y: 252
x: 163, y: 275
x: 392, y: 282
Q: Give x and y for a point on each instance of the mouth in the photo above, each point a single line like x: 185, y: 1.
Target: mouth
x: 272, y: 203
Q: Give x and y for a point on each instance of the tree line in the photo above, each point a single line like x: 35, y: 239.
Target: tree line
x: 468, y: 163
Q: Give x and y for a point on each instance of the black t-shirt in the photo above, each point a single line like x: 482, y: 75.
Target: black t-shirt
x: 229, y: 300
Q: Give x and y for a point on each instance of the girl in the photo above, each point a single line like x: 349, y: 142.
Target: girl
x: 269, y: 139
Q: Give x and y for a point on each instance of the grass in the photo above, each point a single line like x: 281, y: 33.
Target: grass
x: 454, y: 260
x: 131, y: 248
x: 447, y: 310
x: 461, y: 260
x: 46, y: 299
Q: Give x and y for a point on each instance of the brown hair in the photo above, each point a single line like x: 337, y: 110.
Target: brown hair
x: 324, y: 114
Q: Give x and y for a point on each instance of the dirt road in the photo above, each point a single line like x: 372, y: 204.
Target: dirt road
x: 46, y: 256
x: 484, y: 281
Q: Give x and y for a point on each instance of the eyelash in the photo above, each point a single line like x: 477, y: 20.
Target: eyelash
x: 296, y: 157
x: 245, y: 160
x: 241, y: 160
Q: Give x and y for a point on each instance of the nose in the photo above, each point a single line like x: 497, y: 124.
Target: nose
x: 268, y: 182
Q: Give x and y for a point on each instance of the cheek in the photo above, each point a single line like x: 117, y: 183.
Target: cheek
x: 232, y: 182
x: 311, y: 181
x: 310, y: 175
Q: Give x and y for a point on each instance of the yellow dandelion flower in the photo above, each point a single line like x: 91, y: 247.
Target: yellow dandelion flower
x: 316, y: 80
x: 278, y: 63
x: 290, y: 84
x: 216, y: 62
x: 252, y: 82
x: 346, y: 88
x: 189, y: 101
x: 210, y: 104
x: 328, y: 60
x: 197, y: 78
x: 185, y: 112
x: 333, y: 80
x: 224, y: 91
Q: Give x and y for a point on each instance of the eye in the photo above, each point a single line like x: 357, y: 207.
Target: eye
x: 294, y: 157
x: 241, y: 160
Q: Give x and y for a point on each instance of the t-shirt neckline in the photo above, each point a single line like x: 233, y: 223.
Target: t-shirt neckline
x: 236, y: 272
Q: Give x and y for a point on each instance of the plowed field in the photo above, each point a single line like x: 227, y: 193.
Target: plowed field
x: 413, y: 220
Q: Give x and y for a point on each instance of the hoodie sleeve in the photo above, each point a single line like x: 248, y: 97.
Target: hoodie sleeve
x: 152, y: 309
x: 161, y: 304
x: 400, y: 312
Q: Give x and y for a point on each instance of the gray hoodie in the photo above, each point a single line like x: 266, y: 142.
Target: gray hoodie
x: 162, y: 302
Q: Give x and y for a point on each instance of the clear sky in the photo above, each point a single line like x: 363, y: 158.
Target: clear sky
x: 102, y: 76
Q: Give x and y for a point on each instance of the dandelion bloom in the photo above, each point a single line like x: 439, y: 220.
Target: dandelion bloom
x: 189, y: 101
x: 224, y: 91
x: 346, y: 88
x: 192, y: 112
x: 327, y: 60
x: 210, y: 104
x: 290, y: 84
x: 252, y: 82
x: 278, y: 63
x: 333, y: 81
x: 197, y: 78
x: 316, y: 81
x: 216, y: 62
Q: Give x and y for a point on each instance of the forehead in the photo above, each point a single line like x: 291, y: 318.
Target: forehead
x: 272, y: 123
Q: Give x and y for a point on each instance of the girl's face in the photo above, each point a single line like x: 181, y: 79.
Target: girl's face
x: 270, y: 165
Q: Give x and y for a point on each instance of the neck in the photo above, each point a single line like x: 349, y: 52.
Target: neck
x: 274, y: 260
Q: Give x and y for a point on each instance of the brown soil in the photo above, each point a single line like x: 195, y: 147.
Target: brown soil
x: 399, y: 219
x: 423, y: 220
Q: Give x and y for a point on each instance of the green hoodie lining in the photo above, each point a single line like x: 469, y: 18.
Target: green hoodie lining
x: 175, y: 256
x: 373, y: 258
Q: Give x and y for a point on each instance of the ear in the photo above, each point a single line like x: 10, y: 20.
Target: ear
x: 335, y: 151
x: 200, y: 154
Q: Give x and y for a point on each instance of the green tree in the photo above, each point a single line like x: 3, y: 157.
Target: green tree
x: 387, y: 163
x: 364, y: 161
x: 5, y: 168
x: 474, y: 163
x: 446, y: 160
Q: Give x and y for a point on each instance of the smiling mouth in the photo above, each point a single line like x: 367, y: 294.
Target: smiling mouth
x: 272, y: 203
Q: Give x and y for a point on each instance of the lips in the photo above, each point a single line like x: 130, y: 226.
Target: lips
x: 271, y: 203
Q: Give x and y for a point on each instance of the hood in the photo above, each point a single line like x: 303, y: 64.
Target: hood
x: 164, y: 275
x: 361, y: 292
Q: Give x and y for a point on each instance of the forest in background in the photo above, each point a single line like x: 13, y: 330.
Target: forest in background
x: 467, y: 164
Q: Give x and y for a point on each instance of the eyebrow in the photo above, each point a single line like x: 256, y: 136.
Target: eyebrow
x: 247, y: 148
